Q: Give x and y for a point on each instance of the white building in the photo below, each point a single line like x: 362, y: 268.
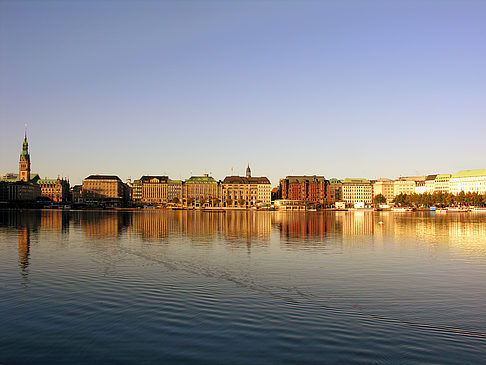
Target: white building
x: 470, y: 181
x: 357, y: 190
x: 384, y: 187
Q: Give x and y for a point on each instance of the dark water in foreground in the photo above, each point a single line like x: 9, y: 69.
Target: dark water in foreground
x: 242, y: 287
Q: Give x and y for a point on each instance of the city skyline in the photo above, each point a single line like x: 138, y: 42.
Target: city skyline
x: 365, y: 90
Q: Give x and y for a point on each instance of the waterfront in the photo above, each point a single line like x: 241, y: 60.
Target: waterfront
x: 242, y: 287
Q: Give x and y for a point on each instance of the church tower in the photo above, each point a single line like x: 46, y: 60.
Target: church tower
x: 248, y: 171
x: 24, y: 163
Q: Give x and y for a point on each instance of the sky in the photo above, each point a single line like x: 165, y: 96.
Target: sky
x: 336, y: 88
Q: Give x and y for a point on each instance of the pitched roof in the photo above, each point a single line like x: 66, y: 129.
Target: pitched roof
x: 304, y: 178
x: 201, y: 180
x: 148, y: 178
x: 245, y: 180
x: 430, y: 177
x: 103, y: 177
x: 469, y: 173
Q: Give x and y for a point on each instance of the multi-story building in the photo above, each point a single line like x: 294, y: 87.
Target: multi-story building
x: 174, y: 191
x: 245, y: 191
x: 441, y: 183
x: 334, y: 191
x: 104, y: 189
x: 200, y: 191
x: 428, y: 185
x: 357, y: 190
x: 308, y: 188
x: 470, y: 181
x: 24, y: 191
x: 56, y: 190
x: 150, y: 190
x: 384, y: 187
x: 406, y: 185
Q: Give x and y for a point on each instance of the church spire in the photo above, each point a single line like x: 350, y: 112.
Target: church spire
x: 248, y: 171
x: 24, y: 162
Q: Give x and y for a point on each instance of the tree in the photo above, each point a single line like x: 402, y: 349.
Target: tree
x: 379, y: 199
x: 241, y: 202
x: 175, y: 200
x: 229, y: 202
x: 202, y: 201
x: 189, y: 201
x: 216, y: 202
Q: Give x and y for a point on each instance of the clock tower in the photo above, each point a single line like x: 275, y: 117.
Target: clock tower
x: 24, y: 163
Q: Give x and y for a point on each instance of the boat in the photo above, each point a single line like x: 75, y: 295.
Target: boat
x: 457, y: 210
x: 401, y: 209
x: 478, y: 210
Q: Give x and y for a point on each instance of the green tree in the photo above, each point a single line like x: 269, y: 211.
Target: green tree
x: 175, y: 200
x: 379, y: 199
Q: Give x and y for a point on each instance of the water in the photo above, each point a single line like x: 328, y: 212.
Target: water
x: 242, y: 287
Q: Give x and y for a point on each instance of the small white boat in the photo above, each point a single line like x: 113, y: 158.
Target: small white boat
x: 401, y: 209
x: 457, y: 210
x: 478, y: 210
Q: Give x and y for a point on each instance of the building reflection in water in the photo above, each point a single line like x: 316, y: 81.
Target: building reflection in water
x: 24, y: 253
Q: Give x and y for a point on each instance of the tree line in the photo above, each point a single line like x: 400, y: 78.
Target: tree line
x: 441, y: 199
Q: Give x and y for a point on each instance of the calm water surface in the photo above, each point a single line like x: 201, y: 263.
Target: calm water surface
x: 242, y: 287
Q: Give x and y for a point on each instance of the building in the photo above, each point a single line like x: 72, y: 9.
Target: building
x: 308, y: 188
x: 470, y: 181
x: 56, y: 190
x: 334, y: 191
x: 174, y: 191
x: 24, y: 162
x: 384, y: 187
x: 357, y: 190
x: 441, y: 183
x: 239, y: 191
x: 104, y: 189
x: 428, y: 185
x: 406, y: 185
x: 150, y: 190
x: 23, y: 191
x: 201, y: 191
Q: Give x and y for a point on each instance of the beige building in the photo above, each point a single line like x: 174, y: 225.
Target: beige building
x: 470, y: 181
x: 174, y: 191
x: 441, y: 183
x: 150, y: 190
x: 384, y: 187
x: 103, y: 188
x: 239, y: 191
x: 56, y: 190
x: 201, y: 191
x: 357, y: 190
x: 406, y: 185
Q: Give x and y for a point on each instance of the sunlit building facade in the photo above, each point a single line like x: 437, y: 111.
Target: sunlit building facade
x: 470, y: 181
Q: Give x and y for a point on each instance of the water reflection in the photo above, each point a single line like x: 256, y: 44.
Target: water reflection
x: 466, y: 232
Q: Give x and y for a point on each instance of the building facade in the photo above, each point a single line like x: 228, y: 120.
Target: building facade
x: 441, y: 183
x: 201, y: 191
x: 384, y: 187
x: 239, y: 191
x: 103, y: 189
x: 308, y: 188
x: 56, y: 190
x: 357, y: 190
x: 334, y: 191
x: 150, y: 190
x: 470, y: 181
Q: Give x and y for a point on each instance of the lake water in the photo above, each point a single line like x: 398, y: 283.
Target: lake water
x: 144, y: 287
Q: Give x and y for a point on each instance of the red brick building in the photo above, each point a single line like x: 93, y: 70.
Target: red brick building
x: 309, y: 188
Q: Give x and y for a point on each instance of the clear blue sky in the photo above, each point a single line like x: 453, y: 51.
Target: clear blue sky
x: 339, y: 88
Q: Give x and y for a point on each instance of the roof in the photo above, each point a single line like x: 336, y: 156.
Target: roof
x: 430, y: 177
x: 201, y: 180
x: 355, y: 181
x: 103, y: 177
x: 443, y: 176
x: 334, y: 181
x: 304, y: 178
x: 47, y: 182
x: 174, y: 182
x: 148, y: 178
x: 469, y: 173
x: 245, y: 180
